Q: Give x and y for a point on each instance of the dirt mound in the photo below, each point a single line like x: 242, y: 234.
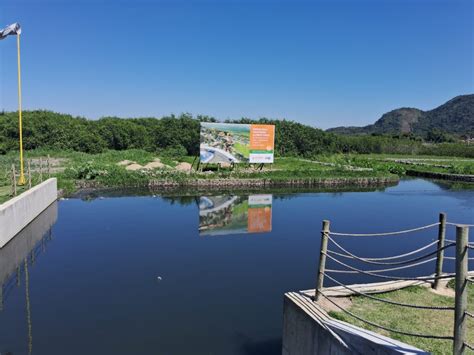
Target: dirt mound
x: 183, y: 166
x: 154, y: 165
x: 134, y: 167
x: 125, y: 162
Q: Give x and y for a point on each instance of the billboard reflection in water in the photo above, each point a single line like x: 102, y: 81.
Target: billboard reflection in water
x: 230, y: 214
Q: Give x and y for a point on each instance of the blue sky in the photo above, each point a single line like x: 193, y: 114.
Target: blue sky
x: 324, y: 63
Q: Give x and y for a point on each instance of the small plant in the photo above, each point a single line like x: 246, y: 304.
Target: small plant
x: 396, y: 169
x: 89, y: 171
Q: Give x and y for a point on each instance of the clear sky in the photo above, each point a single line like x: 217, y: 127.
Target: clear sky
x: 324, y: 63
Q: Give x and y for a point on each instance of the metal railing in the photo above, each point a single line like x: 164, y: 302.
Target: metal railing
x: 400, y: 262
x: 42, y: 169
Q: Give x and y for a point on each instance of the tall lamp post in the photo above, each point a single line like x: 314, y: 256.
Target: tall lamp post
x: 15, y: 29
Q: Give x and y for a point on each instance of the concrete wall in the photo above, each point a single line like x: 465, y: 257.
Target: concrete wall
x: 308, y: 330
x: 18, y: 212
x: 304, y: 332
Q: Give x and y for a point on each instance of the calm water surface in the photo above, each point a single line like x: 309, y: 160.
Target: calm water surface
x: 192, y: 275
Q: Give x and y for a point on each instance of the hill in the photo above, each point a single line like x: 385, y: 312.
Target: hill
x: 454, y: 117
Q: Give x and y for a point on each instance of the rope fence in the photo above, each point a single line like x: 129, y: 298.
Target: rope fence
x: 460, y: 224
x: 444, y: 308
x: 431, y: 252
x: 376, y: 260
x: 381, y: 270
x: 399, y: 278
x: 385, y: 233
x: 429, y: 336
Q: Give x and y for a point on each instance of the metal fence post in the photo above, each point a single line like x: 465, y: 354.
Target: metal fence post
x: 322, y: 259
x: 460, y: 303
x: 440, y: 254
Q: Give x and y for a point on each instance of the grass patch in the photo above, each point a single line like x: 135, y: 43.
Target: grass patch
x: 72, y: 168
x: 409, y: 319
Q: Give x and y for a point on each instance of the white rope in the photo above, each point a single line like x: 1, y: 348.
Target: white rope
x: 376, y: 260
x: 429, y: 336
x: 383, y: 234
x: 460, y: 224
x: 384, y: 270
x: 383, y: 300
x: 421, y: 278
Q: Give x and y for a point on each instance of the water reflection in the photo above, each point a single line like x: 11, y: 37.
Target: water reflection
x: 19, y: 255
x: 231, y: 214
x: 98, y: 280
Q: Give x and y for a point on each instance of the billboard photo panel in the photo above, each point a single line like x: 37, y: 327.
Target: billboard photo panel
x: 236, y: 143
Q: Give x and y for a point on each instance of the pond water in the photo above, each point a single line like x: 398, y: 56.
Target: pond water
x: 193, y: 274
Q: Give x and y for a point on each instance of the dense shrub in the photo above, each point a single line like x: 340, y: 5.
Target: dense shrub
x: 180, y: 135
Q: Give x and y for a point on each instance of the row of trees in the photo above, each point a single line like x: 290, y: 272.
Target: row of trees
x: 46, y: 129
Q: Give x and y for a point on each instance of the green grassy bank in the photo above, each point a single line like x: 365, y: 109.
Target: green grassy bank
x: 134, y: 168
x: 410, y: 319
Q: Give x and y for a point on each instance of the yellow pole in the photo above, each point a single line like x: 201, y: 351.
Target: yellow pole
x: 21, y: 180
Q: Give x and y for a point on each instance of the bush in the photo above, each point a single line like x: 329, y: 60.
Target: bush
x: 89, y: 171
x: 178, y: 136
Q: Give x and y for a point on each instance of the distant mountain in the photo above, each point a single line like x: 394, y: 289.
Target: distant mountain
x: 455, y: 117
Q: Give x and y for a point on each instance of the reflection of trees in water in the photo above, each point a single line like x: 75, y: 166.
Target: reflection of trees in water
x: 464, y: 192
x: 181, y: 200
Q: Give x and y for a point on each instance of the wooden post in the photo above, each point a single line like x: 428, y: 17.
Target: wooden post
x: 322, y: 260
x: 49, y: 167
x: 41, y: 169
x: 460, y: 301
x: 13, y: 180
x: 29, y: 173
x: 440, y: 254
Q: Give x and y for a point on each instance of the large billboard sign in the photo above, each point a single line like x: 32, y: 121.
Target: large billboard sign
x: 236, y: 143
x: 223, y: 215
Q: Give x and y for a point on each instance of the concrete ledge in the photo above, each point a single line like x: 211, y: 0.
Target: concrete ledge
x: 304, y: 329
x: 308, y: 330
x: 17, y: 213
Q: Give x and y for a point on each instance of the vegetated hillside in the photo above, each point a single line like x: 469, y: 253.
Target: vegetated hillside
x: 455, y: 117
x: 179, y: 136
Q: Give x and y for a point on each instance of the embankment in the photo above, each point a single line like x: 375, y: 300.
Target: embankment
x: 441, y: 176
x: 246, y: 183
x: 18, y: 212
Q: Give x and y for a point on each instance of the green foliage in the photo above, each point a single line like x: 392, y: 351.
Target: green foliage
x: 179, y: 136
x: 89, y: 171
